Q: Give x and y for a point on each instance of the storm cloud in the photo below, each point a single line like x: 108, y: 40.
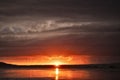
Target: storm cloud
x: 76, y: 27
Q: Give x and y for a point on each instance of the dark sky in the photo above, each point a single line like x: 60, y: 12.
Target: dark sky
x: 62, y: 27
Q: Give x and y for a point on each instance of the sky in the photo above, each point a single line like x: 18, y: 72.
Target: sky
x: 74, y: 31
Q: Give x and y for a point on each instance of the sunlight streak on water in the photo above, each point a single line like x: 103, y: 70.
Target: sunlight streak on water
x: 57, y: 73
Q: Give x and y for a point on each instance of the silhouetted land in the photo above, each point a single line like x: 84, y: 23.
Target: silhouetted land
x: 89, y: 66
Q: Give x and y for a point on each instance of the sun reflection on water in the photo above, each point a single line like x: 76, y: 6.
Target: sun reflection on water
x: 56, y: 73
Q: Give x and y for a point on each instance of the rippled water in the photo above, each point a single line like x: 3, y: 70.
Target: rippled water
x: 59, y: 74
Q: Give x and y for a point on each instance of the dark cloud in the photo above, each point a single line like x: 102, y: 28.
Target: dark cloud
x: 77, y: 43
x: 79, y: 27
x: 65, y: 8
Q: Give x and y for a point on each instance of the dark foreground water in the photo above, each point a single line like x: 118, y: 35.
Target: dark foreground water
x: 59, y: 74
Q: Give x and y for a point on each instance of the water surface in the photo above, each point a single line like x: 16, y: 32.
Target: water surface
x: 59, y: 74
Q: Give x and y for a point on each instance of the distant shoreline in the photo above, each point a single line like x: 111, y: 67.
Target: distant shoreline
x: 89, y: 66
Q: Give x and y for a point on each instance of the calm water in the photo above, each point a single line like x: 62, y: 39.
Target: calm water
x: 59, y: 74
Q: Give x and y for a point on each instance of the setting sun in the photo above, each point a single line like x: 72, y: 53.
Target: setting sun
x: 58, y: 60
x: 57, y: 63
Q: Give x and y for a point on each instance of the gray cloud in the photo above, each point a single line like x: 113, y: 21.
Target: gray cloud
x: 77, y: 27
x: 37, y: 26
x: 27, y: 30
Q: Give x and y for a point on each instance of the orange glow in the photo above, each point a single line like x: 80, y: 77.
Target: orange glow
x: 47, y: 60
x: 58, y: 60
x: 57, y: 63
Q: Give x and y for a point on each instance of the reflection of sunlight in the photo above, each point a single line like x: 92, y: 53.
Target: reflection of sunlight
x: 70, y: 74
x: 56, y: 74
x: 57, y: 71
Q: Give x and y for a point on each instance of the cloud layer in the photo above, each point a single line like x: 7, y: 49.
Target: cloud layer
x: 66, y: 27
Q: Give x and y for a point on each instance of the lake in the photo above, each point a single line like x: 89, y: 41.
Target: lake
x: 59, y: 74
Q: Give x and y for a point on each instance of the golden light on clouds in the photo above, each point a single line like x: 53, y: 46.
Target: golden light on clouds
x: 47, y: 60
x: 57, y: 63
x: 58, y: 60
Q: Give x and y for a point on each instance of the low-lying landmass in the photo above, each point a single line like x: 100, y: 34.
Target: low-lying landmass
x: 87, y: 66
